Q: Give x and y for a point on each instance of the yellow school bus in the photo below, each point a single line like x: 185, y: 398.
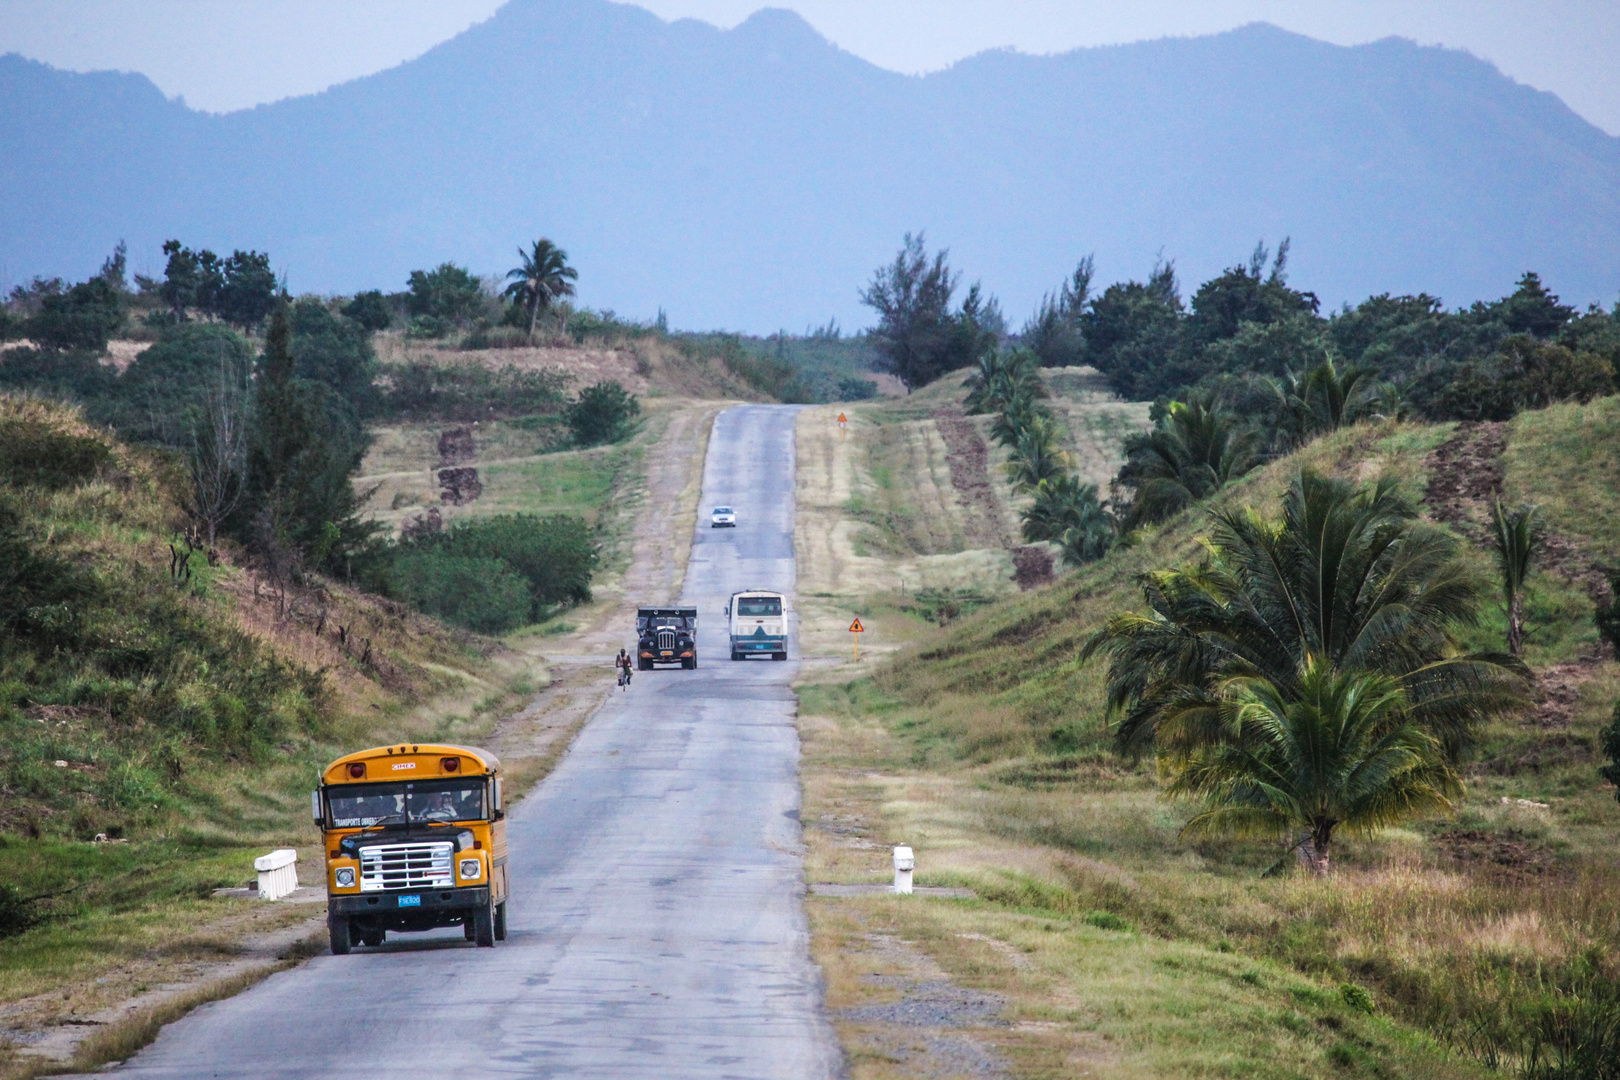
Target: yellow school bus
x: 414, y: 839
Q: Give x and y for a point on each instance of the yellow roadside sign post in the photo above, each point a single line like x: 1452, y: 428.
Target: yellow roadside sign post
x: 843, y: 422
x: 857, y: 629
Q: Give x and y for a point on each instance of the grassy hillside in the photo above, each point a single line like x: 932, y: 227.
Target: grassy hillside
x: 986, y: 746
x: 161, y: 717
x: 906, y: 518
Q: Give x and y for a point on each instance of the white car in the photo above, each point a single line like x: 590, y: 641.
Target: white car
x: 721, y: 517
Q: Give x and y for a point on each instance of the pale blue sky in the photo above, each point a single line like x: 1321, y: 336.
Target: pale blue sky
x: 231, y: 54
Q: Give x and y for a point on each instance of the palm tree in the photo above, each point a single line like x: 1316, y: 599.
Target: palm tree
x: 1035, y: 454
x: 1020, y: 410
x: 1069, y: 513
x: 1515, y: 534
x: 544, y: 277
x: 1092, y: 533
x: 1195, y: 451
x: 1324, y: 398
x: 1337, y: 749
x: 1348, y: 576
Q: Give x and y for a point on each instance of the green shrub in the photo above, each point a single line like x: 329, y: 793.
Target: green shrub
x: 17, y: 912
x: 604, y: 413
x: 159, y: 397
x: 429, y: 326
x: 856, y: 389
x: 84, y: 317
x: 480, y: 594
x: 77, y: 376
x: 462, y: 392
x: 1107, y: 920
x: 1358, y: 998
x: 1609, y: 744
x: 33, y: 454
x: 371, y: 310
x: 555, y: 555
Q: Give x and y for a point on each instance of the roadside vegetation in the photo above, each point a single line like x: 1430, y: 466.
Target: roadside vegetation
x: 1307, y: 766
x: 1464, y: 892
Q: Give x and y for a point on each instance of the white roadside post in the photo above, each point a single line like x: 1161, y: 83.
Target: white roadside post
x: 278, y: 874
x: 904, y: 864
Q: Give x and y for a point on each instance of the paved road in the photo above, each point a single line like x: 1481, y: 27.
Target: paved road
x: 656, y: 926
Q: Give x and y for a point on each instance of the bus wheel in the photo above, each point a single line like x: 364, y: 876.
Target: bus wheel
x: 500, y: 921
x: 779, y: 656
x: 375, y: 938
x: 467, y: 928
x: 337, y: 928
x: 484, y: 927
x: 736, y: 655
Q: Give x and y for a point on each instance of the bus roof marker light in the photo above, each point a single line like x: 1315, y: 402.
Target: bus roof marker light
x: 357, y: 769
x: 450, y: 764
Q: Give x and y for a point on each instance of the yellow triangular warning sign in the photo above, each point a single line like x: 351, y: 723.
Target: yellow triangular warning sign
x: 856, y: 627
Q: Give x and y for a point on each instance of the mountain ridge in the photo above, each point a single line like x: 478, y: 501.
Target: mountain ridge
x: 752, y: 177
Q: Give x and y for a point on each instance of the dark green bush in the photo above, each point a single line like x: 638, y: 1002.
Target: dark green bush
x: 484, y: 595
x: 555, y: 554
x: 371, y: 310
x: 33, y: 454
x: 604, y: 413
x: 424, y: 391
x: 448, y: 293
x: 17, y: 912
x: 76, y: 376
x: 429, y: 326
x: 84, y: 317
x: 158, y: 396
x: 856, y: 389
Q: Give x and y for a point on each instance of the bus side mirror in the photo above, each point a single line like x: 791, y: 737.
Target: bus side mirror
x: 315, y: 808
x: 728, y: 610
x: 500, y: 809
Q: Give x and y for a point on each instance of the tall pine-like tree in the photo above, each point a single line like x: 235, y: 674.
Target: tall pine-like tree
x: 306, y: 445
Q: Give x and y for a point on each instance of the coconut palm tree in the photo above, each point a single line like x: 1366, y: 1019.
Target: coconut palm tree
x: 544, y: 278
x: 1348, y: 576
x: 1068, y: 513
x: 1515, y: 534
x: 1035, y: 454
x: 1196, y: 450
x: 1000, y: 377
x: 1335, y: 750
x: 1324, y: 398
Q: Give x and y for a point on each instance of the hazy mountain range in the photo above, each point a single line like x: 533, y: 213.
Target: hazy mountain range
x: 753, y: 178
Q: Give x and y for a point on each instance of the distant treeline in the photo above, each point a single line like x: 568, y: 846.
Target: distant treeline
x: 1483, y: 362
x: 263, y: 401
x: 1247, y: 370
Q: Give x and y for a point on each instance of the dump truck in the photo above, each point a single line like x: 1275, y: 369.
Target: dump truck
x: 666, y: 635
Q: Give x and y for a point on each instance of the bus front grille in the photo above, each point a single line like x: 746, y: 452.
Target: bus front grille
x: 406, y: 866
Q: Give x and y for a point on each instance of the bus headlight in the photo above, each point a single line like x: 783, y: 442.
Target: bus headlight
x: 469, y: 869
x: 344, y: 876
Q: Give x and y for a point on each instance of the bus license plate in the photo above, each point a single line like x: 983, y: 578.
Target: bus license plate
x: 410, y: 901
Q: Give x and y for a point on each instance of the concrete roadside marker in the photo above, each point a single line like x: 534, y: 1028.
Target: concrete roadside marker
x: 904, y: 864
x: 278, y: 873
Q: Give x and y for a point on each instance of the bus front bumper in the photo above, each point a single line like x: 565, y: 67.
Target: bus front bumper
x: 378, y: 903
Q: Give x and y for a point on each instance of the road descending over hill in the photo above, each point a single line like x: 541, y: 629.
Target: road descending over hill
x: 656, y: 923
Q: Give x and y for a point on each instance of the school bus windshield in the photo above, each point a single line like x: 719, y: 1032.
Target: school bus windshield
x: 362, y: 806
